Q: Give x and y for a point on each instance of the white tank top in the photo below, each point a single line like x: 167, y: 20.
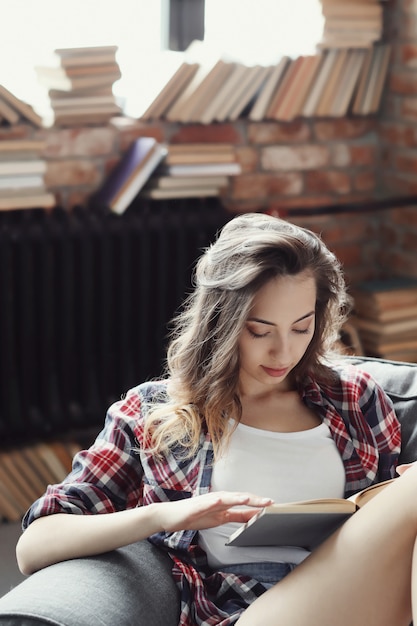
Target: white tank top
x: 283, y: 466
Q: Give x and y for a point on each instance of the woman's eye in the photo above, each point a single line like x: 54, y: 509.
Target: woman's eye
x: 304, y: 331
x: 255, y: 334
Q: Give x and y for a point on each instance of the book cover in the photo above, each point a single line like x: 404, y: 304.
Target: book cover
x: 16, y: 147
x: 283, y: 87
x: 283, y: 109
x: 24, y: 109
x: 203, y: 169
x: 220, y: 100
x: 181, y: 192
x: 59, y: 94
x: 14, y: 168
x: 207, y: 60
x: 347, y: 86
x: 351, y: 9
x: 73, y: 72
x: 90, y: 51
x: 74, y: 57
x: 87, y: 109
x: 309, y: 72
x: 267, y: 92
x: 131, y: 173
x: 378, y: 86
x: 249, y: 90
x: 8, y: 113
x: 214, y: 79
x: 170, y: 91
x: 70, y: 83
x: 304, y: 524
x: 389, y: 314
x: 313, y: 98
x: 328, y: 95
x: 171, y: 182
x: 21, y: 182
x: 39, y: 200
x: 200, y: 153
x: 386, y: 293
x: 386, y: 329
x: 80, y: 101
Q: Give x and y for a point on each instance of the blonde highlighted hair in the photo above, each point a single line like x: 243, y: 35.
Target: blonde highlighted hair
x: 202, y: 358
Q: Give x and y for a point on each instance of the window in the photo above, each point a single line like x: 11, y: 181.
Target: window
x: 255, y: 31
x: 261, y: 31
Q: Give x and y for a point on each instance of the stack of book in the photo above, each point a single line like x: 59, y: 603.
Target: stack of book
x: 332, y: 83
x: 80, y: 85
x: 25, y: 472
x: 22, y: 171
x: 193, y: 170
x: 351, y: 23
x: 386, y: 318
x: 14, y: 111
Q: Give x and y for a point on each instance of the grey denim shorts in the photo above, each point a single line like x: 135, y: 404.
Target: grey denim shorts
x: 265, y: 572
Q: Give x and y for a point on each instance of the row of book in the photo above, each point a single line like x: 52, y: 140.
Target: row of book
x: 333, y: 82
x: 386, y: 317
x: 80, y: 86
x: 160, y: 171
x: 25, y: 472
x: 351, y: 23
x: 22, y: 175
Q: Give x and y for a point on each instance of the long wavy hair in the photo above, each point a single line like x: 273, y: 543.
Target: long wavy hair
x: 202, y: 365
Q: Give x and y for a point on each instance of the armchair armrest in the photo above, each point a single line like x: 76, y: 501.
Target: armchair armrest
x: 132, y: 585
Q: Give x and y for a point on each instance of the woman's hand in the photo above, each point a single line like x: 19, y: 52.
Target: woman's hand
x: 211, y: 509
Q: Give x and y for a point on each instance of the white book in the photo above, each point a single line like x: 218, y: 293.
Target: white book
x: 20, y: 182
x: 35, y: 166
x: 213, y: 169
x: 170, y: 182
x: 181, y: 192
x: 261, y: 103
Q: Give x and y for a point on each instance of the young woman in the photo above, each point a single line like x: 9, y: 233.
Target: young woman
x: 253, y: 409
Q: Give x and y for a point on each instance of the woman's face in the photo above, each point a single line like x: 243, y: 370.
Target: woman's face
x: 277, y: 332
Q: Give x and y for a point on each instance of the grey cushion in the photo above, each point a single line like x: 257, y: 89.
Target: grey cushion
x: 131, y: 586
x: 399, y: 380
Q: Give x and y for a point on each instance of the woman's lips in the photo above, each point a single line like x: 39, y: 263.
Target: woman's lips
x: 276, y: 373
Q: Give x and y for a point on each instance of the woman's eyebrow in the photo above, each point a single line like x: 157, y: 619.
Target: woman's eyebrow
x: 262, y: 321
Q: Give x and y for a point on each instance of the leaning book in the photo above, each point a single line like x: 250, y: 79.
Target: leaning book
x: 130, y: 174
x: 305, y: 524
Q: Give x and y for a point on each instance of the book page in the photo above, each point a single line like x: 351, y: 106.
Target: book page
x: 362, y: 497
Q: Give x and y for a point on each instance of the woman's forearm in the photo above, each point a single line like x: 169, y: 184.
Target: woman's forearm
x: 65, y: 536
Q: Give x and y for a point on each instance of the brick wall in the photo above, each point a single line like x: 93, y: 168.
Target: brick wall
x: 304, y: 164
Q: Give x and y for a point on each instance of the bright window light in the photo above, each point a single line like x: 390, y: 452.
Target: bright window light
x: 255, y: 31
x: 262, y: 31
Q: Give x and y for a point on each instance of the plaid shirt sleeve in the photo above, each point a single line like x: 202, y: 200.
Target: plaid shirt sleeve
x: 105, y: 478
x: 363, y: 423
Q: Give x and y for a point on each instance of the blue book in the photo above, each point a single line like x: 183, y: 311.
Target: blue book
x: 130, y: 174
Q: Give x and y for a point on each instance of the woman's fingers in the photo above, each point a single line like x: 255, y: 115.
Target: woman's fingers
x: 212, y: 509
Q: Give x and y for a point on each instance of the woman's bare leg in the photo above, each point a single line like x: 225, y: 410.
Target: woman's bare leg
x: 365, y: 574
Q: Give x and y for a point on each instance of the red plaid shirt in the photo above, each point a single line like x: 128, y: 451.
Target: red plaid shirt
x: 114, y: 475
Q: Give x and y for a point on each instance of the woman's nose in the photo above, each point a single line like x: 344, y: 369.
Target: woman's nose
x: 280, y: 349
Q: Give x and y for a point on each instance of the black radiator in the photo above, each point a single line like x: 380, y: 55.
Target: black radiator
x: 85, y: 301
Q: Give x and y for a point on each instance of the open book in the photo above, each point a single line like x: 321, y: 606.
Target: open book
x: 305, y: 524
